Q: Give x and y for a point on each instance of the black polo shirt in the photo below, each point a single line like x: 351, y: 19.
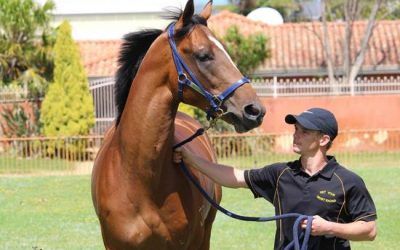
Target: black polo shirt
x: 335, y: 193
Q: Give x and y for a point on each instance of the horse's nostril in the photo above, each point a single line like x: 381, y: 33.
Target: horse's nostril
x: 252, y: 110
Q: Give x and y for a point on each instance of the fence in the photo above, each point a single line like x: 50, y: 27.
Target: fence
x: 75, y: 155
x: 105, y: 111
x: 319, y: 87
x: 10, y: 94
x: 104, y: 102
x: 103, y: 92
x: 45, y: 155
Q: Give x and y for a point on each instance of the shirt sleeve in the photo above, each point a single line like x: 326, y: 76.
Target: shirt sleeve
x: 262, y: 181
x: 360, y: 204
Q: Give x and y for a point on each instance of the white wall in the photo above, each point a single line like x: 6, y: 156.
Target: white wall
x: 109, y: 26
x: 111, y: 19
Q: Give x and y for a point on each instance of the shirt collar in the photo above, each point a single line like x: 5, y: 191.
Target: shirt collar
x: 295, y: 166
x: 326, y: 172
x: 329, y: 168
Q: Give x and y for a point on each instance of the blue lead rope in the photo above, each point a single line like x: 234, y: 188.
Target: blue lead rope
x: 299, y: 238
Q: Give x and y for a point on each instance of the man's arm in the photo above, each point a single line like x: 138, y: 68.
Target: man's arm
x: 224, y: 175
x: 356, y: 231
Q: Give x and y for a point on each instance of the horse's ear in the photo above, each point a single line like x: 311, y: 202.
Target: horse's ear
x: 206, y: 12
x: 186, y: 17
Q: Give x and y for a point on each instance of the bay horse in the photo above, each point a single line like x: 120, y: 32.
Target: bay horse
x: 142, y: 199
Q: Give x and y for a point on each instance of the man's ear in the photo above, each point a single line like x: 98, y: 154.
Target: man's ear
x: 186, y: 15
x: 325, y: 139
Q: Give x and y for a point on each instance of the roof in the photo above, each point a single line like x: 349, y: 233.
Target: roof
x: 295, y: 47
x: 298, y: 46
x: 100, y: 57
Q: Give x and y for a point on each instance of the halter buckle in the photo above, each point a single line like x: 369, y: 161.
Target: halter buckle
x: 182, y: 78
x: 218, y: 113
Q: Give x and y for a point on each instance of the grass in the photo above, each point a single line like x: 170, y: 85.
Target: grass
x: 358, y: 160
x: 12, y: 165
x: 47, y: 213
x: 55, y: 212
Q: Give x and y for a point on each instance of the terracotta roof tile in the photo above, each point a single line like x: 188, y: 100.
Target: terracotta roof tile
x: 294, y: 46
x: 299, y: 45
x: 100, y: 57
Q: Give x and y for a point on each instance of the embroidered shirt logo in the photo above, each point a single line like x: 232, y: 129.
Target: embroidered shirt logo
x: 326, y: 196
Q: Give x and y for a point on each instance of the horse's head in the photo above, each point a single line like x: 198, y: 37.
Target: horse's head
x: 207, y: 76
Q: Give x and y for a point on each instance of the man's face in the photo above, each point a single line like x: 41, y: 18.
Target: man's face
x: 305, y: 141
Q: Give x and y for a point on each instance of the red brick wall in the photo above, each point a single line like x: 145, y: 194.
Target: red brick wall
x: 27, y: 106
x: 357, y: 112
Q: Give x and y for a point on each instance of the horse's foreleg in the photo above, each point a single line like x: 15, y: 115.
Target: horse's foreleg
x: 210, y: 219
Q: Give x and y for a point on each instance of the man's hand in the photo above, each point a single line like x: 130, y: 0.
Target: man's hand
x: 357, y: 231
x: 319, y: 226
x: 177, y: 157
x: 182, y: 154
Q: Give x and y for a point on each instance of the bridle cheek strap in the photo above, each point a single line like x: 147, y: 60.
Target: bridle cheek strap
x: 215, y: 101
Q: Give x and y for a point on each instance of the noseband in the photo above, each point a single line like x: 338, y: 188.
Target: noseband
x: 215, y: 101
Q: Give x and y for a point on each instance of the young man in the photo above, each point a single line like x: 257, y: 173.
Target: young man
x: 316, y: 184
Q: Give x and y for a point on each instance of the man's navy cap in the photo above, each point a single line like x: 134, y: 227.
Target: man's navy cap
x: 316, y: 119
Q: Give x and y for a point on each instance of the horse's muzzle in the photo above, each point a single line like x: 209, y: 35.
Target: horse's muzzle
x: 253, y: 115
x: 248, y: 117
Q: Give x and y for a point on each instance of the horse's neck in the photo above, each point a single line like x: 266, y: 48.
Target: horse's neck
x: 146, y: 127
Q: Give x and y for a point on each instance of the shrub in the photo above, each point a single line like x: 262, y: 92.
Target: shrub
x: 67, y: 108
x: 247, y: 52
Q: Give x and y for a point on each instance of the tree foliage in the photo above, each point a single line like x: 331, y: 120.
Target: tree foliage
x: 287, y: 8
x: 336, y: 9
x: 68, y: 105
x: 26, y: 41
x: 351, y: 64
x: 247, y: 52
x: 294, y: 11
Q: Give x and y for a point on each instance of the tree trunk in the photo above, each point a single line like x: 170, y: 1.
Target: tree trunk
x: 350, y: 67
x: 328, y: 51
x: 355, y: 68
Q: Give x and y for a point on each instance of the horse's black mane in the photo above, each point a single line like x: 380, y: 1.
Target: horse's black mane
x: 134, y: 48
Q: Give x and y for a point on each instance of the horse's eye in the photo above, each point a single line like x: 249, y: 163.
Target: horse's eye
x: 204, y: 57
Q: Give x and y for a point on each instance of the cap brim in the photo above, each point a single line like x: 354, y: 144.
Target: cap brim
x: 292, y: 119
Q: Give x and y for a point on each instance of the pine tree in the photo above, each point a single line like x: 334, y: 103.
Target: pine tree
x: 67, y: 108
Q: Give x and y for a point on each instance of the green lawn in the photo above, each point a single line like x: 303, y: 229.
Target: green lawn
x: 359, y: 160
x: 47, y: 213
x: 13, y: 165
x: 56, y: 213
